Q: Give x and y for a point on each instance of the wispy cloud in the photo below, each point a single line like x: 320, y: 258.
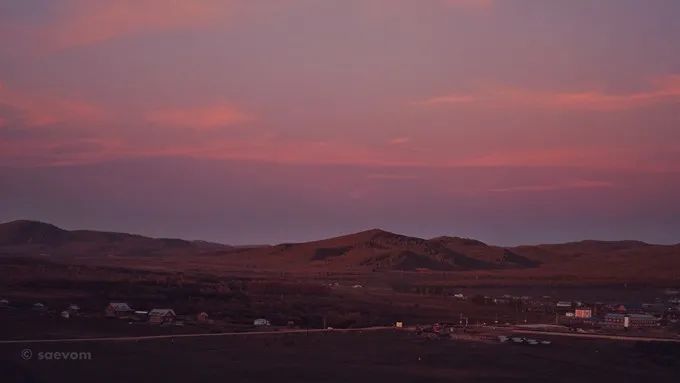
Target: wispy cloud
x: 45, y: 109
x: 92, y: 21
x: 568, y: 184
x: 206, y: 117
x: 399, y: 140
x: 665, y: 89
x: 482, y: 4
x: 391, y: 176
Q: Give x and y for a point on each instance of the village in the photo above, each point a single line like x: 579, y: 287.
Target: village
x: 122, y: 311
x: 659, y: 319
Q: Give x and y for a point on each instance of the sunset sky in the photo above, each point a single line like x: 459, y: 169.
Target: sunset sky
x: 253, y: 121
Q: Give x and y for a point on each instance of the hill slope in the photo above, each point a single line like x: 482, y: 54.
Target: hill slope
x: 366, y: 251
x: 378, y: 250
x: 38, y: 238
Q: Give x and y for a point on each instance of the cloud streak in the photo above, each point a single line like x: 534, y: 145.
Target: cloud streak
x: 662, y: 90
x: 563, y: 185
x: 36, y: 110
x: 203, y: 118
x: 93, y: 21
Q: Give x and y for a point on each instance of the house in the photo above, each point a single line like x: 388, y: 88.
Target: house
x: 140, y: 315
x: 202, y: 317
x: 118, y: 310
x: 459, y: 296
x: 630, y: 320
x: 583, y: 313
x: 260, y: 322
x: 563, y: 306
x: 160, y: 316
x: 73, y: 309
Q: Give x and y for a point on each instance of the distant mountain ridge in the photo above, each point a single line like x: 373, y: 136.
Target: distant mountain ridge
x: 25, y: 236
x: 370, y: 250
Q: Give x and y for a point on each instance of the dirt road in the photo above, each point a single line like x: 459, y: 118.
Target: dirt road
x: 598, y: 336
x: 154, y: 337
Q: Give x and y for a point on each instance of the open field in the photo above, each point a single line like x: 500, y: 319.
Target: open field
x: 344, y: 357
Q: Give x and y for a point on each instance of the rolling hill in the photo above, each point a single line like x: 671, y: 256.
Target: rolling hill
x: 381, y: 250
x: 37, y: 238
x: 367, y: 251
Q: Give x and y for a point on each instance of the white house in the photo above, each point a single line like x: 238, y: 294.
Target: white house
x: 160, y: 316
x: 261, y: 322
x: 118, y: 310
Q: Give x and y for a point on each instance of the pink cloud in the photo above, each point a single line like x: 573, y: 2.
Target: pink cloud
x: 92, y: 21
x: 665, y: 89
x: 567, y: 184
x: 469, y: 3
x: 41, y: 110
x: 209, y: 117
x: 399, y: 140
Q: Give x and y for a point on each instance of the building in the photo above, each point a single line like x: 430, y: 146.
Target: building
x: 654, y: 308
x: 118, y: 310
x: 160, y: 316
x: 140, y: 315
x: 4, y: 303
x: 65, y: 314
x: 563, y: 306
x: 73, y: 309
x: 39, y: 307
x: 583, y: 313
x: 630, y: 320
x: 629, y: 308
x: 260, y: 322
x: 202, y: 317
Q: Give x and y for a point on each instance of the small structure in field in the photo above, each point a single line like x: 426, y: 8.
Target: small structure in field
x: 202, y: 317
x: 630, y: 320
x: 583, y: 313
x: 65, y: 314
x: 161, y: 316
x: 261, y: 322
x: 119, y: 310
x: 73, y: 309
x: 39, y: 307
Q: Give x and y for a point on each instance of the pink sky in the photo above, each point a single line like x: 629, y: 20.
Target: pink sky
x: 483, y: 108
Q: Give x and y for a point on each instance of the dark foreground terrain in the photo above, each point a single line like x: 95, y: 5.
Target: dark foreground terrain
x: 383, y: 356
